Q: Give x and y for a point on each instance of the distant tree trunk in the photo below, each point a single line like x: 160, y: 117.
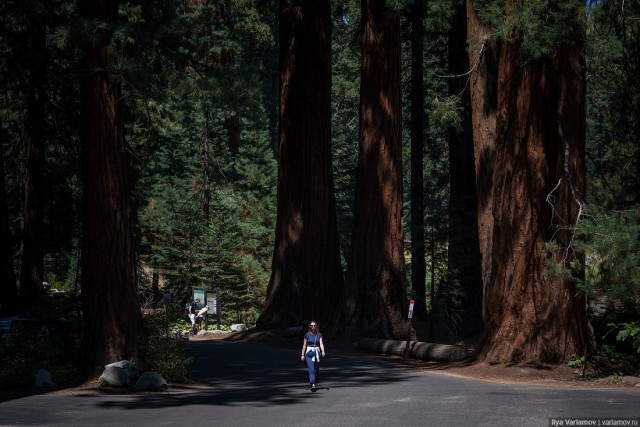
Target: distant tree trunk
x: 232, y: 124
x: 538, y: 186
x: 375, y: 304
x: 31, y: 271
x: 112, y: 322
x: 306, y: 273
x: 418, y: 263
x: 483, y: 61
x: 465, y: 275
x: 206, y: 166
x: 9, y: 301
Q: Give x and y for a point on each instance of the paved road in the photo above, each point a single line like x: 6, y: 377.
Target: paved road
x: 249, y: 385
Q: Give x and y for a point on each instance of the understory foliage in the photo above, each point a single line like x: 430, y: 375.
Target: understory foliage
x: 608, y: 235
x: 45, y: 338
x: 537, y: 27
x: 163, y: 352
x: 200, y: 110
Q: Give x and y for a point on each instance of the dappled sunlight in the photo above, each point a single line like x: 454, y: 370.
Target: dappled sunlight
x: 245, y: 374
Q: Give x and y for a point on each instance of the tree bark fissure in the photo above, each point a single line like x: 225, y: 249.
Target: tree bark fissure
x: 109, y: 298
x: 375, y: 301
x: 528, y: 316
x: 306, y: 275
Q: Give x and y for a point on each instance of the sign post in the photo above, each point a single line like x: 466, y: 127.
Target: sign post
x: 409, y: 316
x: 211, y: 298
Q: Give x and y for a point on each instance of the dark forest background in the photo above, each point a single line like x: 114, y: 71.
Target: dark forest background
x: 154, y: 145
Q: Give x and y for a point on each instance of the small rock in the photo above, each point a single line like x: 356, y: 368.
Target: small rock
x: 151, y: 381
x: 238, y: 327
x: 129, y: 367
x: 114, y: 376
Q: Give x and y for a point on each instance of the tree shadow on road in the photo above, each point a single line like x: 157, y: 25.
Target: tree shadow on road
x: 247, y: 374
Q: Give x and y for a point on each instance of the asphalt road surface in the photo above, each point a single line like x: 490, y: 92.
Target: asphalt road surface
x: 251, y: 385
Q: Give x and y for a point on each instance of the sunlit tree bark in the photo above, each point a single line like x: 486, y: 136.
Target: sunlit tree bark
x: 375, y: 302
x: 537, y: 188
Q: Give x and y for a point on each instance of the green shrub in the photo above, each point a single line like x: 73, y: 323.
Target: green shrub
x: 28, y: 349
x: 630, y: 332
x: 162, y: 352
x: 623, y: 363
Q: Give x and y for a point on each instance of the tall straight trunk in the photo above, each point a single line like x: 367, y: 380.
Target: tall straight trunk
x: 206, y: 167
x: 112, y: 321
x: 464, y: 275
x: 483, y: 62
x: 9, y: 301
x: 375, y: 303
x: 306, y: 274
x: 31, y: 271
x: 538, y: 186
x: 418, y: 263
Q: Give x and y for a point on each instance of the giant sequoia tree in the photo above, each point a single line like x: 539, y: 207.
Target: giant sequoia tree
x: 306, y: 274
x: 535, y: 151
x: 375, y: 300
x: 112, y: 322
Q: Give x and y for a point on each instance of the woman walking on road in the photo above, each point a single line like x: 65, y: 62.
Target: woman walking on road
x: 312, y: 348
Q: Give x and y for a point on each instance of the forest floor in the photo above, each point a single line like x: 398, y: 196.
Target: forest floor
x: 556, y: 376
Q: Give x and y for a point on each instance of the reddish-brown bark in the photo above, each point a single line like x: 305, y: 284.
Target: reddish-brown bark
x: 112, y: 322
x: 538, y: 155
x: 306, y: 273
x: 375, y: 302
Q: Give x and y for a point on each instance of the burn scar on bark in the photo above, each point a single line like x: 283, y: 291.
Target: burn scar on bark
x: 575, y: 193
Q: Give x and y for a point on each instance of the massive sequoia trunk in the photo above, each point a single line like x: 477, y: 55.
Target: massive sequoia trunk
x: 538, y: 186
x: 375, y: 303
x: 112, y: 322
x: 483, y: 60
x: 31, y: 271
x: 306, y: 274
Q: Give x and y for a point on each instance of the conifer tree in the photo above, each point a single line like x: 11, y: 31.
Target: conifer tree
x: 538, y: 180
x: 112, y: 320
x: 306, y: 273
x: 375, y: 299
x: 31, y: 272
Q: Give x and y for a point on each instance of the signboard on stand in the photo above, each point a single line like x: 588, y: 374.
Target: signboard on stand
x: 199, y: 298
x: 212, y: 302
x: 211, y: 298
